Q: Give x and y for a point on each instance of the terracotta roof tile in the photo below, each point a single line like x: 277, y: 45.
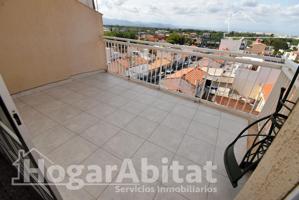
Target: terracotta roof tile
x: 195, y: 76
x: 158, y: 63
x: 191, y: 75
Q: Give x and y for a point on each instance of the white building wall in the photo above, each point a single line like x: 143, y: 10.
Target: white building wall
x: 230, y: 45
x: 176, y: 84
x: 248, y: 82
x: 137, y: 71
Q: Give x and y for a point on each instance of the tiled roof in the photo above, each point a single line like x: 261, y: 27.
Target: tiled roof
x: 207, y: 62
x: 180, y: 73
x: 191, y: 75
x: 195, y: 76
x: 158, y: 63
x: 126, y: 62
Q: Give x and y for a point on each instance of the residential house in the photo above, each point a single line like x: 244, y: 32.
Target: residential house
x: 265, y: 91
x: 294, y: 56
x: 258, y: 48
x: 231, y: 45
x: 148, y: 37
x: 185, y: 80
x: 145, y: 69
x: 128, y: 65
x: 211, y: 63
x: 249, y: 78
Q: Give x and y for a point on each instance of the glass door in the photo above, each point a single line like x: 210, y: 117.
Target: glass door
x: 15, y: 147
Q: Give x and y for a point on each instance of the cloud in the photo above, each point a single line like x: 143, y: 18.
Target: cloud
x: 153, y: 9
x: 184, y: 10
x: 132, y: 9
x: 272, y: 15
x: 250, y: 3
x: 119, y: 2
x: 113, y: 3
x: 292, y: 11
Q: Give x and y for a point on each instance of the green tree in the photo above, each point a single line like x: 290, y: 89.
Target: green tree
x: 277, y: 43
x: 122, y: 34
x: 175, y: 38
x: 216, y: 36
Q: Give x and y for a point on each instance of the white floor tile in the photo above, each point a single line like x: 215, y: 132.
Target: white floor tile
x: 183, y: 111
x: 167, y: 138
x: 72, y: 152
x: 101, y: 110
x: 177, y: 122
x: 80, y: 123
x: 123, y: 144
x: 100, y: 133
x: 120, y: 118
x: 154, y: 114
x: 203, y: 132
x: 202, y: 183
x: 101, y: 159
x: 207, y: 118
x: 196, y: 150
x: 142, y: 127
x: 52, y: 138
x: 153, y: 154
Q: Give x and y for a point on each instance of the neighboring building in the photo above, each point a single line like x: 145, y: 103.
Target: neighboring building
x: 205, y: 39
x: 258, y: 48
x: 193, y: 35
x: 264, y: 94
x: 294, y: 56
x: 207, y: 62
x: 111, y: 55
x: 142, y: 68
x: 141, y: 36
x: 249, y: 78
x: 124, y: 65
x: 106, y: 29
x: 185, y: 80
x: 231, y: 45
x: 150, y: 38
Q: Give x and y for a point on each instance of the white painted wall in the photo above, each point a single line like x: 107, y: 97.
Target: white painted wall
x: 176, y: 84
x: 139, y: 70
x: 248, y: 83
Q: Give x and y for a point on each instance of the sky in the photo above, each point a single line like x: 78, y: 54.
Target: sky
x: 275, y: 16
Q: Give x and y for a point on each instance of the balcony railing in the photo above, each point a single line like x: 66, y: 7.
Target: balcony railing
x: 246, y: 84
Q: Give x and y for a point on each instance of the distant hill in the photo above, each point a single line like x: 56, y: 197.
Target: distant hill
x: 109, y: 21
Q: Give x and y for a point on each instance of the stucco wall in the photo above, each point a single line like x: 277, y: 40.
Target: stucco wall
x: 278, y: 172
x: 47, y: 41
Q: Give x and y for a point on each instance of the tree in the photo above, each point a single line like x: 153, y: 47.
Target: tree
x: 122, y: 34
x: 277, y: 43
x: 175, y: 38
x: 216, y: 36
x: 280, y: 44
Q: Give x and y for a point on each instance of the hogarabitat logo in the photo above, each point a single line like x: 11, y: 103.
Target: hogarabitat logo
x: 75, y: 177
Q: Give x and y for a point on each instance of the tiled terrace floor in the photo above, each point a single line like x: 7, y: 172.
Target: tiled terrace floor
x: 102, y: 119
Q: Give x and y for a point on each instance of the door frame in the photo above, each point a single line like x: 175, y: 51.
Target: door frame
x: 21, y: 131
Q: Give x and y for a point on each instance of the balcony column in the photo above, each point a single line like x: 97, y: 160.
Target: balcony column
x: 277, y: 174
